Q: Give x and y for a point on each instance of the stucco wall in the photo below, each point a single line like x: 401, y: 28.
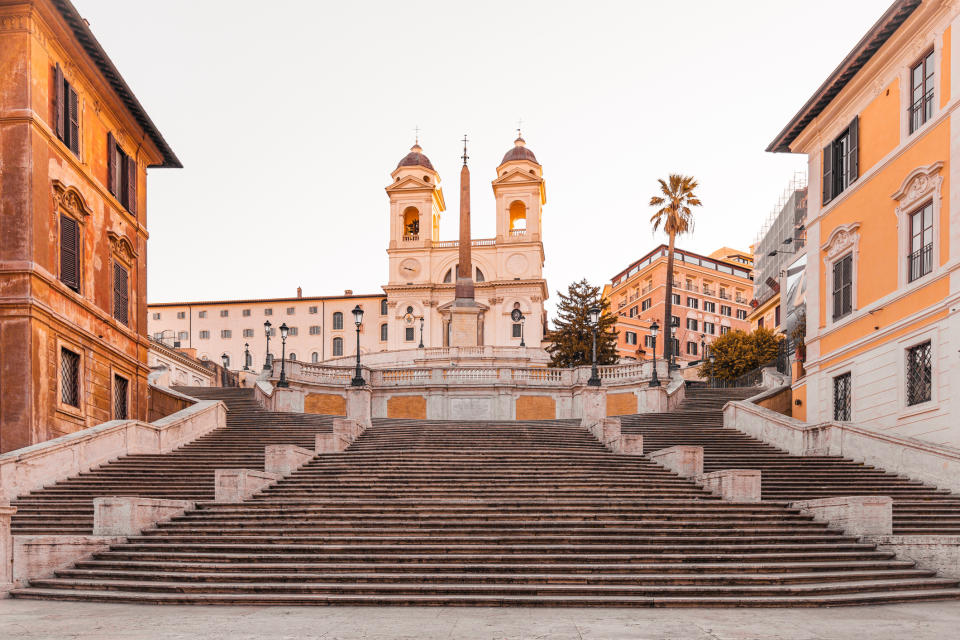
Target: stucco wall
x: 325, y: 403
x: 536, y: 408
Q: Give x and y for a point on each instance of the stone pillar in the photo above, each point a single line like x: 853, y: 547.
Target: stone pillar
x: 856, y: 515
x: 288, y: 399
x: 359, y: 405
x: 285, y: 458
x: 236, y: 485
x: 329, y: 443
x: 685, y: 461
x: 734, y: 485
x: 631, y: 443
x: 593, y: 406
x: 6, y: 549
x: 129, y: 515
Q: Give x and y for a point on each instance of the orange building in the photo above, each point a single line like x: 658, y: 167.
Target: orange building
x: 75, y: 145
x: 883, y: 229
x: 711, y: 296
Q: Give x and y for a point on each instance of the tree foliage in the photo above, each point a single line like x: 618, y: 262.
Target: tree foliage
x: 572, y: 336
x: 737, y: 352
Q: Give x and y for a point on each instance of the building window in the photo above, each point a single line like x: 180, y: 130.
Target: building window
x: 760, y: 323
x: 741, y: 314
x: 692, y: 324
x: 291, y: 311
x: 631, y: 337
x: 293, y: 356
x: 676, y: 298
x: 204, y: 335
x: 121, y: 293
x: 634, y: 312
x: 648, y: 342
x: 646, y: 304
x: 383, y: 332
x: 181, y: 315
x: 921, y: 92
x: 314, y: 357
x: 337, y: 321
x: 920, y: 260
x: 517, y: 329
x: 841, y: 162
x: 183, y: 335
x: 245, y: 313
x: 843, y: 286
x: 709, y: 327
x: 919, y: 374
x: 202, y: 314
x: 248, y: 333
x: 224, y: 313
x: 674, y: 321
x: 383, y: 307
x: 408, y: 334
x: 226, y: 334
x: 66, y: 112
x: 709, y: 307
x: 841, y: 397
x: 268, y: 311
x: 338, y: 346
x: 691, y: 348
x: 675, y: 346
x: 121, y: 175
x: 69, y: 377
x: 120, y: 397
x: 725, y: 310
x: 724, y: 330
x: 315, y: 330
x: 693, y: 303
x: 312, y: 310
x: 293, y: 331
x: 156, y: 316
x: 70, y: 252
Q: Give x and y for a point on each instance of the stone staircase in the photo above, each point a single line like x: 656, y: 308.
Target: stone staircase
x: 917, y: 508
x: 184, y: 474
x: 488, y: 514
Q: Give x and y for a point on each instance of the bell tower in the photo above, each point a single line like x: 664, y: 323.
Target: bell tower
x: 416, y: 202
x: 520, y: 193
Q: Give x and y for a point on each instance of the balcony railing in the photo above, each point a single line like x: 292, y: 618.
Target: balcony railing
x: 708, y: 291
x: 692, y: 287
x: 647, y: 289
x: 518, y: 232
x: 411, y: 238
x: 725, y: 296
x: 920, y: 263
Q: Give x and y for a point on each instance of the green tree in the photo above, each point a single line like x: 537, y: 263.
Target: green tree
x: 737, y: 352
x: 572, y: 337
x: 676, y: 217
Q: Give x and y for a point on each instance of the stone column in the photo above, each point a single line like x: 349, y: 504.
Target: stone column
x: 6, y: 549
x: 359, y: 405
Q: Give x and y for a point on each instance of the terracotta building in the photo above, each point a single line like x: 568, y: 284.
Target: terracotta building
x: 711, y: 295
x: 75, y: 145
x: 882, y: 138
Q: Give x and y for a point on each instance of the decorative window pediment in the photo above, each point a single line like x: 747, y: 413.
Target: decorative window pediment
x: 920, y: 188
x: 69, y: 200
x: 122, y: 247
x: 920, y: 184
x: 841, y: 240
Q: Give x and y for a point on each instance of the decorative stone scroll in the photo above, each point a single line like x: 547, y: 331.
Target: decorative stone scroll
x: 920, y: 184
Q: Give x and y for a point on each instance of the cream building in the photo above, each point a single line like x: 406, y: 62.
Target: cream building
x: 508, y: 275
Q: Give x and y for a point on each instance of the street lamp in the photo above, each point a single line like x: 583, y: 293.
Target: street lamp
x: 703, y: 346
x: 246, y: 356
x: 225, y: 360
x: 284, y: 330
x: 654, y: 329
x: 421, y: 333
x: 593, y: 315
x: 358, y: 320
x: 517, y: 316
x: 267, y: 362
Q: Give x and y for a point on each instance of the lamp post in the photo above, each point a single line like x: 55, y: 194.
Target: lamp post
x: 225, y: 361
x: 357, y: 320
x: 703, y: 346
x: 654, y: 329
x: 267, y: 363
x: 594, y: 317
x: 517, y: 316
x: 284, y: 330
x: 246, y: 356
x: 712, y: 359
x: 420, y: 346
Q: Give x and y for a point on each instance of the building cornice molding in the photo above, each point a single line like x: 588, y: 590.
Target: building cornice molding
x: 919, y: 184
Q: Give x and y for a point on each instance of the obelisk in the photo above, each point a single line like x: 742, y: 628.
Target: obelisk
x: 465, y: 312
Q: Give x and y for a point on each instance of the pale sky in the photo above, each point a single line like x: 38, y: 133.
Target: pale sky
x: 289, y: 117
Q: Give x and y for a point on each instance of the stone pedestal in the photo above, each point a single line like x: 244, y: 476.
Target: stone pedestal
x: 288, y: 399
x: 631, y: 443
x: 329, y: 443
x: 734, y: 485
x: 236, y: 485
x: 359, y: 405
x: 685, y: 461
x: 39, y: 556
x: 593, y: 405
x: 465, y: 326
x: 285, y: 458
x: 856, y: 515
x: 6, y: 549
x: 129, y: 515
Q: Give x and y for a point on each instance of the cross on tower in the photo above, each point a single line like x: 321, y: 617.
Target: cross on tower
x: 519, y: 126
x: 416, y: 134
x: 465, y: 156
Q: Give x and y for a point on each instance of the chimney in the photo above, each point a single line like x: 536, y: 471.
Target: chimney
x: 299, y: 292
x: 348, y: 292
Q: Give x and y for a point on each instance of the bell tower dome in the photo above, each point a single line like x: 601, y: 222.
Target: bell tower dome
x: 416, y: 201
x: 520, y: 192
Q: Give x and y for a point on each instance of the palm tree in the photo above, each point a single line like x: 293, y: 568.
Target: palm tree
x: 676, y: 217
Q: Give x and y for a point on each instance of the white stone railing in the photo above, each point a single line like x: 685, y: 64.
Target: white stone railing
x: 415, y: 357
x: 935, y: 464
x: 39, y: 465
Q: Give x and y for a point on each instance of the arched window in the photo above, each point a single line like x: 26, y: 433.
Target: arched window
x: 411, y: 224
x: 337, y: 321
x: 410, y: 310
x: 448, y: 276
x: 383, y: 307
x: 383, y: 332
x: 518, y: 216
x: 479, y: 276
x: 314, y: 357
x: 338, y: 346
x: 293, y: 356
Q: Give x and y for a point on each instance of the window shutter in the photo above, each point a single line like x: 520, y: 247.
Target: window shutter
x: 120, y: 311
x: 69, y: 252
x: 132, y: 186
x: 854, y: 151
x: 837, y: 286
x: 847, y: 284
x: 73, y: 126
x: 59, y: 109
x: 111, y: 163
x: 828, y: 173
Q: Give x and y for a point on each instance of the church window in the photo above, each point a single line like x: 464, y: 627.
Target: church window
x: 314, y: 357
x: 338, y: 346
x: 480, y: 277
x: 383, y: 307
x: 338, y: 322
x: 408, y: 334
x: 478, y: 274
x: 293, y: 357
x: 517, y: 330
x: 518, y: 217
x: 383, y: 332
x: 411, y: 224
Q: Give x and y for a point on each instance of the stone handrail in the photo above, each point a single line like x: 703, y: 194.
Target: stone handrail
x: 935, y: 464
x: 415, y: 357
x: 39, y: 465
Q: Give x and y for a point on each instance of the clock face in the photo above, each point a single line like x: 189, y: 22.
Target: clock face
x: 409, y: 268
x: 516, y: 315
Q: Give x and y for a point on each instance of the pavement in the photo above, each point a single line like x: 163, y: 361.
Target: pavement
x: 36, y: 620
